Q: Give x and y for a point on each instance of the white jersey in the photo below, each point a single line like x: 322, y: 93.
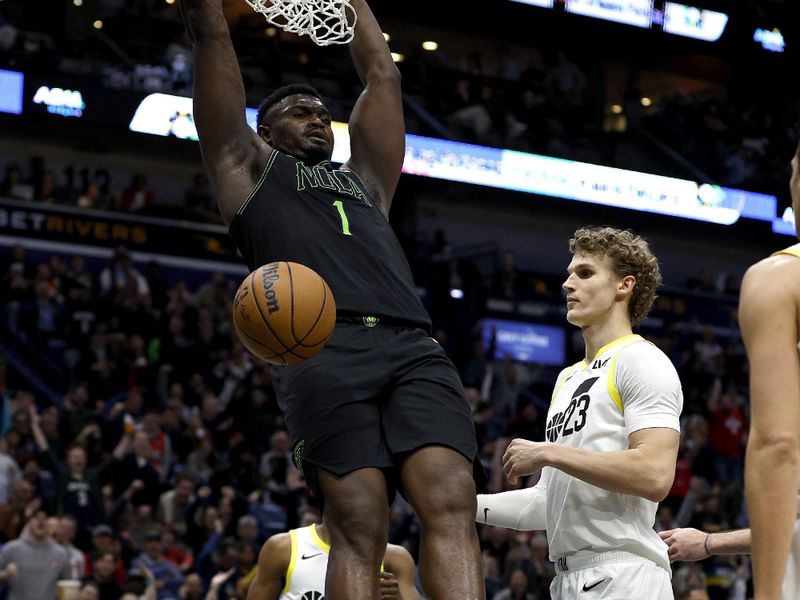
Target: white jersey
x: 305, y: 576
x: 791, y: 579
x: 629, y: 385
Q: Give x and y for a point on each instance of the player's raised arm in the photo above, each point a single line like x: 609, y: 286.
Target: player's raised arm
x: 377, y: 129
x: 232, y: 152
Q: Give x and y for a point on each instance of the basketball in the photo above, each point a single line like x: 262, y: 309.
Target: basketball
x: 284, y: 313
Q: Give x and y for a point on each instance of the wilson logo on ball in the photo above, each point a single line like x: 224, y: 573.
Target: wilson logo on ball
x: 284, y: 313
x: 270, y: 276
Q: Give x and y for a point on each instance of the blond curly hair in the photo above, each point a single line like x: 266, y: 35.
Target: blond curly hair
x: 630, y: 255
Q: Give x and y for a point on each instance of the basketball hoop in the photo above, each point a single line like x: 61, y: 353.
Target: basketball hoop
x: 326, y: 22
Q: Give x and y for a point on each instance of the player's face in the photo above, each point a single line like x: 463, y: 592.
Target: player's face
x: 593, y: 289
x: 301, y: 127
x: 794, y: 187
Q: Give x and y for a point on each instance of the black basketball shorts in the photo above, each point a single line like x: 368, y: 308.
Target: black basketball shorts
x: 373, y: 395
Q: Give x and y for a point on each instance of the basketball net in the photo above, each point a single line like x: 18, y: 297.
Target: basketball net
x: 326, y: 22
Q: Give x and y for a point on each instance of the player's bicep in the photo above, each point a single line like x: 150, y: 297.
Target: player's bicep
x: 377, y: 137
x: 768, y: 318
x: 264, y: 588
x: 399, y: 562
x: 226, y: 140
x: 659, y: 448
x: 273, y: 560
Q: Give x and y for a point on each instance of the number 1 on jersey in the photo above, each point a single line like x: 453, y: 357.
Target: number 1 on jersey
x: 345, y: 223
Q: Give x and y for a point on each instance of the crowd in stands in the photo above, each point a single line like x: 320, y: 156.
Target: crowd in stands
x: 165, y: 463
x: 96, y: 189
x: 529, y: 99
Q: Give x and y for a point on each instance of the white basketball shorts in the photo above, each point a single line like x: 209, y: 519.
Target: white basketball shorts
x: 610, y: 576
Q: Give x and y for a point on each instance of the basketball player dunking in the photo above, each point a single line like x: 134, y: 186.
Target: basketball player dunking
x: 769, y: 316
x: 612, y: 435
x: 292, y: 566
x: 382, y: 405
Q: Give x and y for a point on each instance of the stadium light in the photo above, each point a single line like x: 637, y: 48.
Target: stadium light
x: 430, y: 46
x: 98, y: 24
x: 397, y: 57
x: 646, y: 101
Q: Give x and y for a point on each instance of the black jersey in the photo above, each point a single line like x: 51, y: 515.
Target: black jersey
x: 322, y: 217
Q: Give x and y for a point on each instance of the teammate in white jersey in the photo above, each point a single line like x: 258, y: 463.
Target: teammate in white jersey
x: 293, y: 565
x: 769, y: 316
x: 612, y: 435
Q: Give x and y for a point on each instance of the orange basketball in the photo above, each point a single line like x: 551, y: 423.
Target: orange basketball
x: 284, y: 313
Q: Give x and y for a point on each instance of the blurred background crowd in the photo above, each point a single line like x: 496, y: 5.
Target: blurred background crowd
x: 168, y: 450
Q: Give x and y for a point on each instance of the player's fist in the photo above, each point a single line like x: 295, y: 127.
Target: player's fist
x: 524, y: 458
x: 685, y: 544
x: 390, y: 589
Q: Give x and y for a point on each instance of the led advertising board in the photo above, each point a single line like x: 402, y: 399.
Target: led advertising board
x: 525, y: 342
x: 12, y: 84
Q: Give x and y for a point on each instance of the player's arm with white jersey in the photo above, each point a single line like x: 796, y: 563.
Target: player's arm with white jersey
x: 273, y: 560
x: 652, y: 401
x: 523, y: 510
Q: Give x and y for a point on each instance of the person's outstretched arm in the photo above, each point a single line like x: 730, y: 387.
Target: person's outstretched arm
x: 692, y: 544
x: 232, y: 152
x: 768, y: 315
x: 523, y: 510
x: 377, y: 129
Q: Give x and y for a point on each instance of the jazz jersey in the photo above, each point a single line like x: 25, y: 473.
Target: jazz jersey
x: 305, y: 576
x: 629, y: 385
x: 792, y: 250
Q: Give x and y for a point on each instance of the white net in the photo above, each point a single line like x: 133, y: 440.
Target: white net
x: 324, y: 21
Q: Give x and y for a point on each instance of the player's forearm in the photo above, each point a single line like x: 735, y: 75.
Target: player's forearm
x: 729, y: 542
x: 523, y: 510
x: 631, y: 472
x: 771, y: 483
x: 369, y: 50
x: 408, y: 590
x: 204, y: 20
